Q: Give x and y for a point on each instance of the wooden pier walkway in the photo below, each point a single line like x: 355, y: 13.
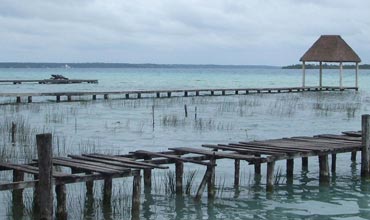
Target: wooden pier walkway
x: 90, y: 167
x: 137, y: 94
x: 48, y: 81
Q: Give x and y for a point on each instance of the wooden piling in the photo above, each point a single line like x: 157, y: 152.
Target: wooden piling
x: 17, y: 194
x: 18, y: 99
x: 196, y: 93
x: 236, y: 92
x: 61, y: 193
x: 212, y: 178
x: 44, y: 186
x: 106, y: 96
x: 186, y: 111
x: 270, y: 176
x: 93, y: 97
x: 365, y: 157
x: 289, y: 168
x: 203, y: 183
x: 186, y: 93
x: 14, y: 131
x: 127, y: 96
x: 139, y: 95
x: 324, y: 168
x: 158, y: 95
x: 305, y: 163
x: 353, y: 156
x: 148, y: 178
x: 58, y: 98
x: 107, y: 190
x: 333, y: 162
x: 223, y: 92
x: 136, y: 191
x: 212, y: 92
x: 29, y: 99
x: 236, y: 173
x: 89, y: 186
x: 179, y: 177
x: 168, y: 94
x: 69, y: 98
x: 257, y: 166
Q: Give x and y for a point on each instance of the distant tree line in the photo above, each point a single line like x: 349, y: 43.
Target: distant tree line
x: 121, y: 65
x: 326, y: 66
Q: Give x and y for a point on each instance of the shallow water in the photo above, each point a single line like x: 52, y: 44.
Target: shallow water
x: 121, y: 126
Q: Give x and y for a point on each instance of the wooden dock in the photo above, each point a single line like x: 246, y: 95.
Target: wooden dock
x: 48, y: 81
x: 137, y: 94
x: 90, y: 167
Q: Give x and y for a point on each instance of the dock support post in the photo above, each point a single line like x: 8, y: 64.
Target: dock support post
x: 236, y: 92
x: 127, y: 96
x: 206, y: 180
x: 324, y: 168
x: 186, y: 93
x: 135, y: 207
x: 93, y: 97
x: 289, y: 168
x: 212, y: 178
x: 223, y: 92
x: 237, y: 173
x: 257, y: 166
x: 353, y: 156
x: 139, y: 95
x: 270, y: 176
x: 58, y: 98
x: 333, y: 162
x: 107, y: 193
x: 158, y: 95
x: 89, y: 186
x: 106, y: 96
x: 14, y: 132
x: 305, y: 163
x: 179, y: 177
x: 44, y: 186
x: 17, y: 194
x: 18, y: 99
x: 365, y: 157
x: 29, y: 99
x: 168, y: 94
x: 61, y: 193
x: 212, y: 92
x: 69, y: 98
x: 147, y: 179
x: 196, y: 93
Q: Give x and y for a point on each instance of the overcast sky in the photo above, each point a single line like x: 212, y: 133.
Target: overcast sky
x: 272, y: 32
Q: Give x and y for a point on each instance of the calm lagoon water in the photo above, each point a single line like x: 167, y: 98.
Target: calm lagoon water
x: 120, y: 126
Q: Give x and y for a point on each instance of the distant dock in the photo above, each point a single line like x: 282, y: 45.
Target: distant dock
x: 138, y: 94
x: 49, y: 81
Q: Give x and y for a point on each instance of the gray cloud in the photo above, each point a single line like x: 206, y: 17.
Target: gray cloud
x: 167, y: 31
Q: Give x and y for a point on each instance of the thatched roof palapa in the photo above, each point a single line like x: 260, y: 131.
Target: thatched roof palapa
x: 330, y: 48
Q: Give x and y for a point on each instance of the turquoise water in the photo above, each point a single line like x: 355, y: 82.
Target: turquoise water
x: 121, y: 126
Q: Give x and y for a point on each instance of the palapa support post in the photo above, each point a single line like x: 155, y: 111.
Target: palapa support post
x: 29, y: 99
x: 179, y: 177
x: 289, y: 168
x: 324, y: 168
x: 303, y: 74
x: 107, y: 190
x: 340, y: 75
x: 136, y: 192
x: 320, y: 83
x: 61, y: 192
x: 237, y: 173
x: 333, y: 162
x: 44, y: 186
x: 356, y: 76
x: 270, y: 176
x: 305, y: 163
x: 365, y: 157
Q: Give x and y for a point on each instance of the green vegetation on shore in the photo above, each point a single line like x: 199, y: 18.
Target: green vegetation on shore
x: 326, y: 66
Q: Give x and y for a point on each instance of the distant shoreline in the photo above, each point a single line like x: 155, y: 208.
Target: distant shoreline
x: 123, y: 65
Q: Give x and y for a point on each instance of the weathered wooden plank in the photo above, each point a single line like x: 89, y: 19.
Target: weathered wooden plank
x: 124, y: 160
x: 171, y: 157
x: 353, y: 133
x: 110, y: 162
x: 243, y: 151
x: 213, y: 153
x: 98, y: 164
x: 84, y: 167
x: 340, y: 137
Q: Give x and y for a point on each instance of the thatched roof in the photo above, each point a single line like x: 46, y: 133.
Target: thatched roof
x: 330, y: 48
